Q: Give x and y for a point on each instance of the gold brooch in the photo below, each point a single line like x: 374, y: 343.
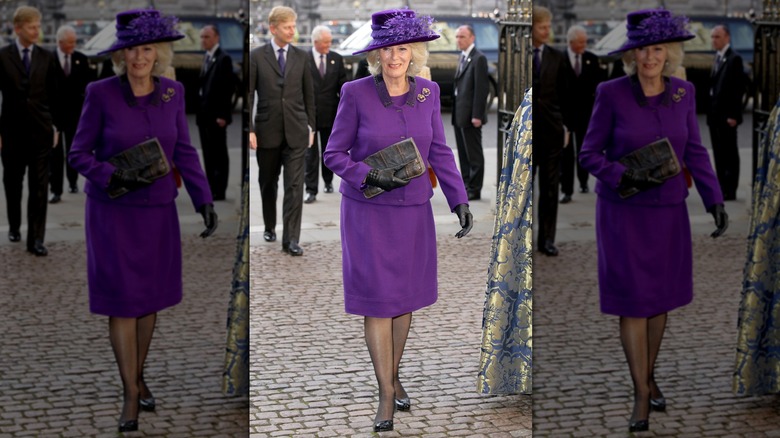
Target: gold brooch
x: 678, y: 95
x: 425, y: 93
x: 170, y: 92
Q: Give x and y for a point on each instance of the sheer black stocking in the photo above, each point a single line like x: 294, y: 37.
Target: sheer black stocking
x: 379, y: 339
x: 124, y: 341
x: 634, y: 337
x: 145, y: 331
x: 401, y: 326
x: 655, y: 333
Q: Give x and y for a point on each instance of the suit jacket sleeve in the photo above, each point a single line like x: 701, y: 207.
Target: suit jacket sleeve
x: 224, y: 82
x: 697, y: 159
x: 253, y: 71
x: 185, y: 157
x: 87, y: 139
x: 482, y: 85
x: 441, y: 158
x: 345, y: 127
x: 598, y: 137
x: 735, y: 85
x: 308, y: 94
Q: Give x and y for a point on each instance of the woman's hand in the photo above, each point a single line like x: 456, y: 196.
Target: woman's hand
x: 640, y: 179
x: 209, y: 219
x: 465, y: 218
x: 130, y: 179
x: 721, y: 220
x: 385, y: 179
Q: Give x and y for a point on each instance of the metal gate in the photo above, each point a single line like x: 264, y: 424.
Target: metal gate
x: 766, y: 72
x: 514, y: 66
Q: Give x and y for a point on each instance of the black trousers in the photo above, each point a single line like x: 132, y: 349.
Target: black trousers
x: 16, y: 158
x: 58, y: 162
x: 270, y: 162
x: 569, y: 161
x: 312, y: 162
x: 470, y: 157
x: 213, y: 141
x: 548, y: 165
x: 726, y: 154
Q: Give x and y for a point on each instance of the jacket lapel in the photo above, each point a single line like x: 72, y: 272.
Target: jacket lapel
x: 271, y: 59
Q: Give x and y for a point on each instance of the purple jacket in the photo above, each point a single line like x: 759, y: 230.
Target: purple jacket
x: 111, y: 121
x: 367, y: 121
x: 622, y: 122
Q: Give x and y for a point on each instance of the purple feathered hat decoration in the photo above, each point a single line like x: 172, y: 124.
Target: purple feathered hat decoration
x: 399, y: 26
x: 654, y: 26
x: 143, y: 26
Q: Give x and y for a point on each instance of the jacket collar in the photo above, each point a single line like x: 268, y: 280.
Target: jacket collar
x: 384, y: 95
x: 127, y: 91
x: 639, y: 95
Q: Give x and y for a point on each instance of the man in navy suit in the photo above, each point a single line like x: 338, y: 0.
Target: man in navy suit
x: 586, y: 75
x: 216, y: 84
x: 28, y: 81
x: 73, y: 75
x: 469, y: 110
x: 329, y: 74
x: 280, y: 74
x: 727, y: 85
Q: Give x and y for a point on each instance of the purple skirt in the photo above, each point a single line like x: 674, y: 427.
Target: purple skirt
x: 133, y: 258
x: 389, y: 258
x: 645, y: 258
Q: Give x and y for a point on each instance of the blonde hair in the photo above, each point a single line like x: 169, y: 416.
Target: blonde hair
x: 281, y: 14
x: 26, y: 14
x: 164, y: 58
x: 541, y: 14
x: 674, y: 59
x: 418, y: 61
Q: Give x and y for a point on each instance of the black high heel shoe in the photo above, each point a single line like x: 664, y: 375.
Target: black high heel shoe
x: 128, y: 426
x: 147, y: 404
x: 403, y: 404
x: 383, y: 426
x: 658, y: 404
x: 638, y: 426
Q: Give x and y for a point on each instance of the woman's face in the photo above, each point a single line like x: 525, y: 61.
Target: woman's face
x: 395, y: 60
x: 140, y: 60
x: 650, y: 60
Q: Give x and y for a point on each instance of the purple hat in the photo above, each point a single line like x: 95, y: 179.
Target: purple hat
x: 654, y: 26
x: 398, y: 26
x: 143, y: 26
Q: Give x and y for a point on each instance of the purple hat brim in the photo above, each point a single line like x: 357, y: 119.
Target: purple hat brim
x: 628, y: 45
x: 119, y: 45
x: 380, y: 44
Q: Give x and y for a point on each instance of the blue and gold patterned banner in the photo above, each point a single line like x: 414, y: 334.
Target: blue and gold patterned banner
x: 505, y: 365
x: 235, y: 379
x: 757, y: 369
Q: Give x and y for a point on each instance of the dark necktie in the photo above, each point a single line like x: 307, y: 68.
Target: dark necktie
x: 537, y: 61
x: 462, y: 63
x: 715, y: 66
x: 322, y: 65
x: 577, y: 66
x: 66, y: 68
x: 26, y: 60
x: 281, y: 60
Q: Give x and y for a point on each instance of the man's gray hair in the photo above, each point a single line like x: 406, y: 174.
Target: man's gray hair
x: 574, y: 31
x: 316, y: 33
x: 64, y: 30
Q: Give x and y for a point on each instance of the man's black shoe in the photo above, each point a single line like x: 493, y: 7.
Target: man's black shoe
x: 14, y: 236
x: 565, y: 199
x: 293, y: 248
x: 269, y: 236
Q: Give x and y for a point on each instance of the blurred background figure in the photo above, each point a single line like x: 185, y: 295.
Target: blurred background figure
x: 328, y: 73
x: 215, y: 109
x: 73, y: 74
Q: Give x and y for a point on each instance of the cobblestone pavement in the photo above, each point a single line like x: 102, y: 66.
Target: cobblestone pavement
x: 310, y: 370
x: 58, y: 377
x: 582, y: 387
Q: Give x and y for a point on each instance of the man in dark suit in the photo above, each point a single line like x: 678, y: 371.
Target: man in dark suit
x: 469, y: 110
x: 28, y: 81
x: 550, y: 79
x: 727, y: 85
x: 283, y: 125
x: 586, y: 75
x: 73, y: 75
x: 329, y: 74
x: 216, y: 84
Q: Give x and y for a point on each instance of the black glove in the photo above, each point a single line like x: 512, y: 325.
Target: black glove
x: 209, y: 219
x: 721, y: 219
x: 130, y: 179
x: 640, y: 179
x: 465, y: 218
x: 385, y: 179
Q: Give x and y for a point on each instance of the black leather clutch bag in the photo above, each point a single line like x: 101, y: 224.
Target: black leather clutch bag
x: 147, y: 157
x: 403, y: 156
x: 658, y: 157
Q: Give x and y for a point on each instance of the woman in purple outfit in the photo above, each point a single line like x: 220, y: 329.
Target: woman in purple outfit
x: 644, y: 241
x: 133, y: 241
x: 389, y: 241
